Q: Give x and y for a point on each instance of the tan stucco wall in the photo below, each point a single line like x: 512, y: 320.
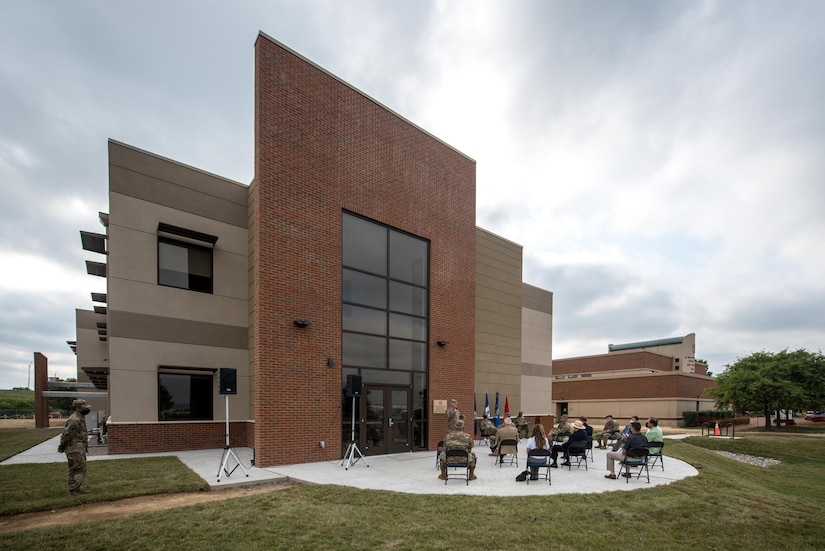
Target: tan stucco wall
x: 498, y: 321
x: 536, y: 351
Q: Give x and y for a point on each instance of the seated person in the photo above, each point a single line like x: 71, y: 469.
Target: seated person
x: 521, y: 425
x: 654, y: 433
x: 634, y: 441
x: 505, y: 432
x: 587, y: 427
x: 539, y: 440
x: 579, y: 434
x: 563, y: 429
x: 486, y: 427
x: 457, y: 439
x: 611, y: 427
x: 625, y: 433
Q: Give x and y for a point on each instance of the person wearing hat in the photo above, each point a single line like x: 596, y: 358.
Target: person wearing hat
x: 452, y: 414
x: 74, y: 442
x: 579, y: 433
x: 457, y: 439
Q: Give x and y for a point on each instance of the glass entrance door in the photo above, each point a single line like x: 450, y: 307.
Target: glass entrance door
x: 385, y: 420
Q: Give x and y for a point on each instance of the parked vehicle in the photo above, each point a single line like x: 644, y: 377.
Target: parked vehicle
x: 818, y: 417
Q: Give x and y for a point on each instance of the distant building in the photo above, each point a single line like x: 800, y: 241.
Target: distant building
x: 659, y: 378
x: 353, y: 252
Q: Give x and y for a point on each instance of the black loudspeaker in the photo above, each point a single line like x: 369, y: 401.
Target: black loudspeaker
x: 353, y: 386
x: 227, y: 380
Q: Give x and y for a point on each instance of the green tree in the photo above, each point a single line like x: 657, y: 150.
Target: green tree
x: 770, y: 382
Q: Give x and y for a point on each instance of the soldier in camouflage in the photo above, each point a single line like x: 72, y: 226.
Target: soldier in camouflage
x: 74, y: 442
x: 564, y: 428
x: 521, y: 424
x: 486, y: 427
x: 611, y: 427
x: 452, y: 414
x: 457, y: 439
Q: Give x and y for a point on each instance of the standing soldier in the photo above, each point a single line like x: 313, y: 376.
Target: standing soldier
x: 521, y: 424
x: 74, y: 441
x: 452, y: 414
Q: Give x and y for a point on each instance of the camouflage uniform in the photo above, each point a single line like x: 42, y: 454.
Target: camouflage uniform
x: 521, y: 424
x: 610, y: 428
x: 458, y: 439
x: 486, y: 427
x: 564, y: 428
x: 74, y: 441
x: 452, y: 417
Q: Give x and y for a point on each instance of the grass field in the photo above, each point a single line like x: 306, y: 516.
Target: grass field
x: 730, y: 505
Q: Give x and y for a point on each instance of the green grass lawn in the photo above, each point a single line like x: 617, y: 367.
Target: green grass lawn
x: 730, y: 505
x: 14, y: 441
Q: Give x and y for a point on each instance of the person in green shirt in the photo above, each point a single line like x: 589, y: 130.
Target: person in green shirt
x: 654, y: 433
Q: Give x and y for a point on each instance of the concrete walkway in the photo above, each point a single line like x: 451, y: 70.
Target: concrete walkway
x: 413, y: 473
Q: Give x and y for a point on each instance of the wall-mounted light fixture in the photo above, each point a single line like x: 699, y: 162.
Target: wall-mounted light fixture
x: 442, y: 343
x: 301, y: 323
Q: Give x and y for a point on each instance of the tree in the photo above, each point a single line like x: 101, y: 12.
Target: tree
x: 769, y: 382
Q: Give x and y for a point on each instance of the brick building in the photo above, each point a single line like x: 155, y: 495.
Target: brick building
x: 659, y: 378
x: 353, y: 252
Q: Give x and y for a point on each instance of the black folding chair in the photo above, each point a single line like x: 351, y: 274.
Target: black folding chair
x: 457, y: 459
x: 636, y: 457
x: 507, y: 450
x: 539, y: 458
x: 577, y: 449
x: 655, y: 451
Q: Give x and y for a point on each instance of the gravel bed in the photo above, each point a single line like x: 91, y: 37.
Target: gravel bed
x: 764, y: 462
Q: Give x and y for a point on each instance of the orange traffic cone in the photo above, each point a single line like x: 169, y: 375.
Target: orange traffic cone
x: 716, y: 431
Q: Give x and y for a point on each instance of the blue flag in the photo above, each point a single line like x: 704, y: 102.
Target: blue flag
x: 496, y: 420
x: 486, y: 405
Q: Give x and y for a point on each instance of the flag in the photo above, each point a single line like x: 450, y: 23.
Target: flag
x: 506, y: 405
x: 497, y: 419
x: 486, y: 405
x: 475, y: 415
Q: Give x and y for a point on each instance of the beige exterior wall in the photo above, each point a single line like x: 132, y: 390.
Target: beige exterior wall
x: 498, y: 321
x: 90, y: 350
x: 151, y: 325
x: 536, y: 351
x: 684, y: 352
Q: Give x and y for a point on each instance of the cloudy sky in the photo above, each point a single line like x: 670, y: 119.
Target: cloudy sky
x: 663, y: 163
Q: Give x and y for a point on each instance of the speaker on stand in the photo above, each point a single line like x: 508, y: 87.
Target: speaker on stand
x: 353, y: 390
x: 227, y: 384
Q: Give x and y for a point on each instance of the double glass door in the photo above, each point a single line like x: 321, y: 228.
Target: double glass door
x: 385, y: 420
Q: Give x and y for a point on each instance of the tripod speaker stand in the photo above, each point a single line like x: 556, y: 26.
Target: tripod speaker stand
x: 229, y: 452
x: 353, y: 389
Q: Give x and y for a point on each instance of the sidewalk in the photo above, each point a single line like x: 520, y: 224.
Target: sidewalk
x: 413, y: 473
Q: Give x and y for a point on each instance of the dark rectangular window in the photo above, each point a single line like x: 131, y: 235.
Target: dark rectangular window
x: 184, y: 265
x: 184, y: 397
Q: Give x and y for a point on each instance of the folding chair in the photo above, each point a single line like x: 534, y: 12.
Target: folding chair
x: 577, y: 449
x: 636, y: 457
x: 457, y: 459
x: 655, y: 451
x: 589, y: 447
x: 539, y: 458
x: 507, y: 450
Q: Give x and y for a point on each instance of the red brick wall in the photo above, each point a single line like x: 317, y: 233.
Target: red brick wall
x: 612, y: 362
x: 162, y: 437
x: 322, y: 147
x: 671, y: 385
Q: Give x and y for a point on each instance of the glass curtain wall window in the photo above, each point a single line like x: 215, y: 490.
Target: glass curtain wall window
x: 184, y: 396
x: 384, y: 310
x: 184, y: 265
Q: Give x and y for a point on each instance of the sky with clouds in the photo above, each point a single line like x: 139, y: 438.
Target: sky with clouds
x: 662, y: 163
